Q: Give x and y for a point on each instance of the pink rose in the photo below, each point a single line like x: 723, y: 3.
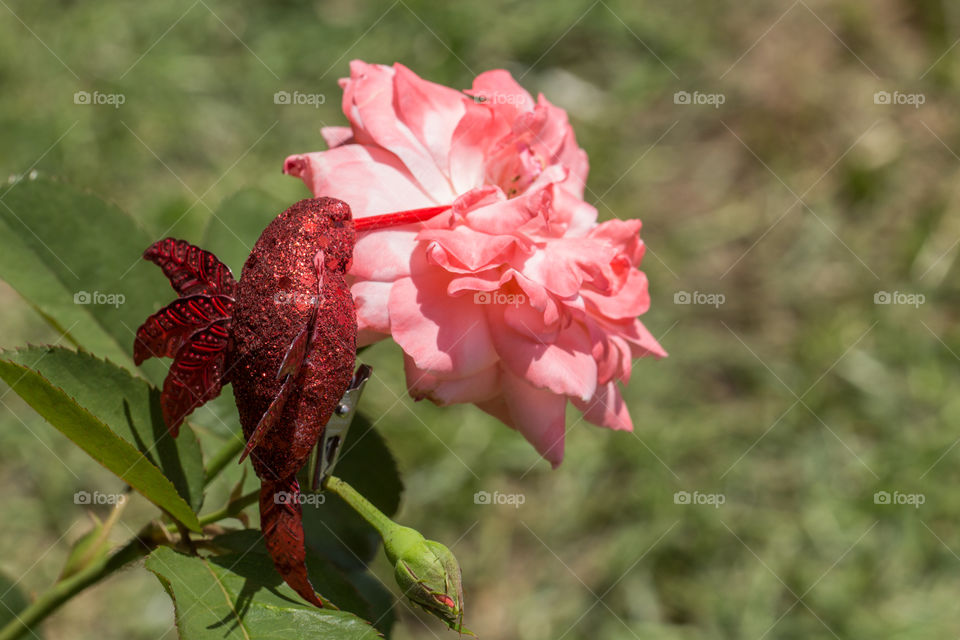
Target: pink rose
x: 515, y: 299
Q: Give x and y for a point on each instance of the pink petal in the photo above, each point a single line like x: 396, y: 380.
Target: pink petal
x: 502, y: 93
x: 607, y: 409
x: 642, y: 341
x: 612, y: 353
x: 370, y: 102
x: 578, y: 216
x: 371, y: 300
x: 476, y: 133
x: 564, y: 366
x: 538, y: 414
x: 497, y: 407
x: 546, y: 127
x: 337, y: 136
x: 431, y: 111
x: 464, y: 250
x: 384, y: 254
x: 367, y: 337
x: 622, y: 235
x: 369, y: 179
x: 557, y: 136
x: 536, y: 324
x: 632, y: 300
x: 479, y: 387
x: 442, y: 334
x: 473, y: 283
x: 563, y: 264
x: 499, y: 215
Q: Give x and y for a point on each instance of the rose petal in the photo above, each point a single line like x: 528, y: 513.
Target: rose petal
x: 370, y: 98
x: 501, y: 93
x: 564, y: 366
x: 431, y: 111
x: 642, y: 341
x: 632, y: 300
x: 607, y: 409
x: 538, y: 414
x: 372, y: 300
x: 337, y: 136
x: 384, y: 255
x: 463, y: 250
x: 371, y: 180
x: 476, y: 133
x: 479, y: 387
x: 442, y: 334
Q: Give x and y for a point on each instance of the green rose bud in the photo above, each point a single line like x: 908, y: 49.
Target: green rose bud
x: 428, y: 574
x: 426, y: 570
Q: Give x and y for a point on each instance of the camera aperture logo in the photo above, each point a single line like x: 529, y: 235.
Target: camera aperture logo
x: 96, y: 98
x: 899, y: 297
x: 310, y: 499
x: 85, y: 497
x: 897, y: 498
x: 513, y: 499
x: 299, y: 98
x: 697, y: 498
x: 498, y: 297
x: 99, y: 297
x: 711, y: 299
x: 899, y: 98
x: 712, y: 99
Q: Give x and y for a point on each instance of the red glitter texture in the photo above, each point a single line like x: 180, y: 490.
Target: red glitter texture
x: 285, y: 336
x: 275, y: 300
x: 280, y: 293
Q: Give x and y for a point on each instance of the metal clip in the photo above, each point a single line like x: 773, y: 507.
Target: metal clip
x: 324, y: 456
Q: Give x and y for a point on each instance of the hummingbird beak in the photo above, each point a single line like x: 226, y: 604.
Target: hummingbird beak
x: 399, y: 218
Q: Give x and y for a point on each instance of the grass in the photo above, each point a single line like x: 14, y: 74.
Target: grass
x: 798, y: 199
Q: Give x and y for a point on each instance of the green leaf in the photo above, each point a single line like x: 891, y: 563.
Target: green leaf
x: 12, y: 601
x: 115, y: 418
x: 238, y: 223
x: 241, y: 597
x: 77, y: 260
x: 333, y: 528
x: 357, y: 592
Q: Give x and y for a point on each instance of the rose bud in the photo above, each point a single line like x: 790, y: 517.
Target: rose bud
x: 426, y: 571
x: 428, y: 574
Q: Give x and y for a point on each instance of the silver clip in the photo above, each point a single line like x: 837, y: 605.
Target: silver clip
x: 324, y: 456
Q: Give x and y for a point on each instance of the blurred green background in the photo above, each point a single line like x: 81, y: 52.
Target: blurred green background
x: 798, y: 200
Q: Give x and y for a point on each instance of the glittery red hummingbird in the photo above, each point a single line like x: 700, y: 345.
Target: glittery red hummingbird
x: 284, y: 336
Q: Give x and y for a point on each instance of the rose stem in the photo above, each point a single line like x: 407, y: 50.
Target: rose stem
x: 361, y: 505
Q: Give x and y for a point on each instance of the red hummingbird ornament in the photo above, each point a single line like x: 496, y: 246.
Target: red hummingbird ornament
x: 284, y: 337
